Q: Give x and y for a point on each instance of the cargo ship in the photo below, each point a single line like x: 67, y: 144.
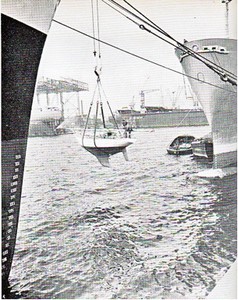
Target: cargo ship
x: 25, y: 25
x: 156, y: 117
x: 217, y: 65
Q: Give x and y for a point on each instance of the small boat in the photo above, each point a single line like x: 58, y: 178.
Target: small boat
x: 203, y: 147
x: 181, y: 145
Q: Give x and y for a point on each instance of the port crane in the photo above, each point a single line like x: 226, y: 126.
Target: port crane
x: 142, y: 94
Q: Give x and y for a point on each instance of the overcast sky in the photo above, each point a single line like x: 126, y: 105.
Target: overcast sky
x: 70, y: 54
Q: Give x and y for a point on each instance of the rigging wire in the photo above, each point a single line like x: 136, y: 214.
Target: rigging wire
x: 140, y: 57
x: 99, y: 50
x: 94, y: 42
x: 156, y: 27
x: 179, y: 46
x: 191, y: 51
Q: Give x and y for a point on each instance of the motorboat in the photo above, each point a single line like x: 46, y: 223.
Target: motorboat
x: 181, y: 145
x: 203, y: 147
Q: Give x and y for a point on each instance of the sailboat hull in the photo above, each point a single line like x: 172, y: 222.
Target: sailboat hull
x: 106, y: 146
x: 102, y: 149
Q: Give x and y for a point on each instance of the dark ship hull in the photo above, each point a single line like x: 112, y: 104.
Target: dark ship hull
x: 23, y: 38
x: 219, y: 102
x: 168, y: 118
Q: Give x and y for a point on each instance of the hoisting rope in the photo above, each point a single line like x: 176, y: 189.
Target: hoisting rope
x: 97, y: 71
x: 94, y: 41
x: 96, y: 34
x: 99, y: 50
x: 95, y: 126
x: 88, y: 116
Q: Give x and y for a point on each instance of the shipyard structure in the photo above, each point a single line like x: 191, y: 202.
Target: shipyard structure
x: 47, y: 118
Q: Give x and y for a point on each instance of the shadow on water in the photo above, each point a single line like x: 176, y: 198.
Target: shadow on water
x: 9, y: 292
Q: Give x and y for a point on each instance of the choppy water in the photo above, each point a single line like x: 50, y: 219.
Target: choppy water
x: 146, y: 228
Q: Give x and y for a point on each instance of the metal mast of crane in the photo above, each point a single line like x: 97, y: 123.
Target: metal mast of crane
x: 142, y: 94
x: 227, y: 15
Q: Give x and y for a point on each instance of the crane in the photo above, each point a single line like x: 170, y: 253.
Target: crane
x: 142, y: 94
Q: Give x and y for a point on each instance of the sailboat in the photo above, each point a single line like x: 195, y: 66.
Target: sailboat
x: 103, y: 148
x: 104, y: 142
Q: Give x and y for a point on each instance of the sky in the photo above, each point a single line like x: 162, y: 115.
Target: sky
x: 69, y: 54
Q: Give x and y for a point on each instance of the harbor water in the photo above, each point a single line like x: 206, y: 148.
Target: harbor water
x: 148, y: 228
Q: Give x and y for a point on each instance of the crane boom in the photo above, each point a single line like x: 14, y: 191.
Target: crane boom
x: 142, y: 94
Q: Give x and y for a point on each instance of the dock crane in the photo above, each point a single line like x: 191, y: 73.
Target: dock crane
x: 142, y: 94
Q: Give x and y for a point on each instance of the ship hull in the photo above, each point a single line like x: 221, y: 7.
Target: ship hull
x: 44, y: 128
x: 219, y: 100
x: 176, y: 118
x: 22, y: 45
x: 45, y: 123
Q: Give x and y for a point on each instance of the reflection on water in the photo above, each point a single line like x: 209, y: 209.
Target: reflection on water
x: 147, y: 228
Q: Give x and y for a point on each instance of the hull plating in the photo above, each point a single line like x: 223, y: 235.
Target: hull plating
x: 22, y: 45
x: 219, y: 105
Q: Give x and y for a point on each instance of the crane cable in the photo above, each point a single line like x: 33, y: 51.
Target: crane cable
x: 97, y: 55
x: 97, y: 70
x: 96, y: 35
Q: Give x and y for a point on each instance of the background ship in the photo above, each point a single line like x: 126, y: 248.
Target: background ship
x: 150, y: 116
x: 161, y: 117
x: 218, y: 99
x: 25, y: 25
x: 45, y: 122
x: 48, y: 114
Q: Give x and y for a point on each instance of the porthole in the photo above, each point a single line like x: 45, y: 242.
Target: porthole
x: 195, y: 48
